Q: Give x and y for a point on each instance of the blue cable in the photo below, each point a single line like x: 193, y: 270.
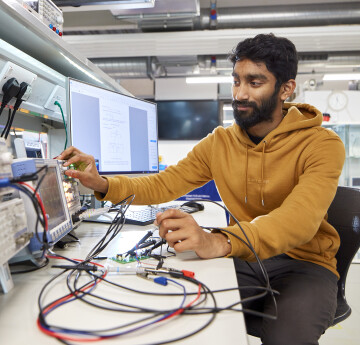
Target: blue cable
x: 68, y: 331
x: 5, y: 182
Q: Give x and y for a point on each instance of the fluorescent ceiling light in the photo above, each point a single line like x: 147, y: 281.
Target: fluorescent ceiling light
x: 128, y: 4
x: 109, y: 5
x: 208, y: 80
x: 89, y: 74
x: 342, y: 76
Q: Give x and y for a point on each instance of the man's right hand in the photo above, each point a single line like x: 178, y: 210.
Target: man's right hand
x: 87, y: 172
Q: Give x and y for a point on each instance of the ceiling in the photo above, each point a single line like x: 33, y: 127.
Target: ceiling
x: 181, y: 38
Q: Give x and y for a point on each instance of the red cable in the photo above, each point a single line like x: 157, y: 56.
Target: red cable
x: 40, y: 203
x: 71, y: 295
x: 59, y: 336
x: 181, y: 310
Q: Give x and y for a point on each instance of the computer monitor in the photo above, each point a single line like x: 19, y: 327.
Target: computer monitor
x: 118, y: 130
x: 187, y: 120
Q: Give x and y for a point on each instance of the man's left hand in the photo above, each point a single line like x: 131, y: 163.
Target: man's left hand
x: 183, y: 233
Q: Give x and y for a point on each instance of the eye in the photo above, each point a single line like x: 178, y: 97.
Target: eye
x: 236, y: 82
x: 255, y: 83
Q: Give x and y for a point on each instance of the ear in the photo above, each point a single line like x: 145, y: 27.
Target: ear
x: 287, y: 89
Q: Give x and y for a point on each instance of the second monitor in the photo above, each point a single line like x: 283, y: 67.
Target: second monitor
x: 118, y: 130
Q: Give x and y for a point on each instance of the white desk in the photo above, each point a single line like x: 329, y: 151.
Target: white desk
x: 19, y: 310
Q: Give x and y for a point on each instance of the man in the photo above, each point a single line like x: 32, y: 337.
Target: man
x: 276, y: 170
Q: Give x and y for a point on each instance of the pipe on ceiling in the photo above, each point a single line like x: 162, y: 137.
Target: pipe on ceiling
x: 146, y: 67
x: 136, y: 67
x: 262, y: 17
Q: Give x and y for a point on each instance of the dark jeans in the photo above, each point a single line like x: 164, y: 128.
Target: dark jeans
x: 306, y: 304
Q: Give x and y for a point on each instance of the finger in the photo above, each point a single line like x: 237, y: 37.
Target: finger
x: 68, y: 153
x: 170, y: 213
x: 183, y: 246
x: 168, y: 224
x: 179, y: 234
x: 81, y: 157
x: 75, y: 173
x: 171, y: 244
x: 156, y: 223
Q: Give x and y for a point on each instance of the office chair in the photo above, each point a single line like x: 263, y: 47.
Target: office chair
x: 344, y: 216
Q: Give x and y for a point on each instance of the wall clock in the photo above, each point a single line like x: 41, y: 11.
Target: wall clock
x: 337, y: 100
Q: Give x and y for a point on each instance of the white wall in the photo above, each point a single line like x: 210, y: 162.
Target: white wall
x: 174, y: 150
x: 141, y: 88
x: 177, y: 89
x: 350, y: 114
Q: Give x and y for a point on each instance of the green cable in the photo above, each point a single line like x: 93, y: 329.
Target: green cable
x: 58, y: 104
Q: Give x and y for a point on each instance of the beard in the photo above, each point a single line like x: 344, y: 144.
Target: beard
x: 259, y: 113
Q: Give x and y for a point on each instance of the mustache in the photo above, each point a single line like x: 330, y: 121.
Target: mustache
x: 236, y: 104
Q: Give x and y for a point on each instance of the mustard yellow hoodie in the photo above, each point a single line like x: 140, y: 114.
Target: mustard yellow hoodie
x: 279, y: 189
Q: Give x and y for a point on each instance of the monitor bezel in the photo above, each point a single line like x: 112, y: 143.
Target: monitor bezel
x: 70, y: 134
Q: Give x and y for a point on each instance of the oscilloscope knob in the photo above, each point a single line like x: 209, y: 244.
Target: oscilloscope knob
x: 59, y: 20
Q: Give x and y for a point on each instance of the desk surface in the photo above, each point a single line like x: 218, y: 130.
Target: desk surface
x: 19, y: 310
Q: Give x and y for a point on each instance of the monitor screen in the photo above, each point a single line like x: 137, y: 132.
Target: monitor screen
x: 52, y: 193
x: 119, y: 131
x: 52, y: 199
x: 187, y: 120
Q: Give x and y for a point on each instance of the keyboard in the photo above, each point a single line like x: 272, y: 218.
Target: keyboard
x: 144, y: 216
x: 147, y: 216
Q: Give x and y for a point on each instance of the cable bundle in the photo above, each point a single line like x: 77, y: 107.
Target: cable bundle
x: 83, y: 278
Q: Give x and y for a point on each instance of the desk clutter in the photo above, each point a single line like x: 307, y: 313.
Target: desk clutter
x: 121, y: 288
x: 144, y: 293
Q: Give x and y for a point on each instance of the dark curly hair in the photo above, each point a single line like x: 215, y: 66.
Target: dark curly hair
x: 277, y: 53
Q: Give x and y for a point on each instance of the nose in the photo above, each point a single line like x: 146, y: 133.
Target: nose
x: 240, y: 93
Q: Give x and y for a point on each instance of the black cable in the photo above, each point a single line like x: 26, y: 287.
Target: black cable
x: 23, y: 94
x: 248, y: 244
x: 46, y: 168
x: 113, y: 230
x: 8, y: 120
x: 10, y: 89
x: 32, y: 195
x: 140, y: 310
x: 158, y: 343
x: 37, y: 208
x: 75, y: 292
x: 32, y: 269
x: 211, y: 320
x: 74, y: 237
x: 80, y: 292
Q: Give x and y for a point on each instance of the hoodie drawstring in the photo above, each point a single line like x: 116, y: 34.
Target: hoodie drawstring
x: 262, y: 174
x: 246, y: 170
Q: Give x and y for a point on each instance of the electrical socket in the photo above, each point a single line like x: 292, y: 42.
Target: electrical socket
x: 57, y: 94
x: 11, y: 70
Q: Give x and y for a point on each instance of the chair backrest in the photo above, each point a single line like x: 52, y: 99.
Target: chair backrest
x: 344, y: 216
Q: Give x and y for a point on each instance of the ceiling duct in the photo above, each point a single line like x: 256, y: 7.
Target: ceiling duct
x: 78, y: 3
x: 162, y: 66
x: 137, y: 67
x: 262, y: 16
x: 180, y: 66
